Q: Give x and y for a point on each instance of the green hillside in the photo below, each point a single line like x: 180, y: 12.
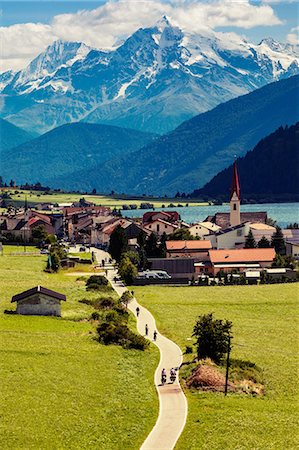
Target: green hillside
x: 270, y: 171
x: 60, y: 388
x: 11, y: 136
x: 67, y: 149
x: 198, y: 149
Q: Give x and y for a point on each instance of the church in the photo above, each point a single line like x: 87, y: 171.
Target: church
x: 235, y: 217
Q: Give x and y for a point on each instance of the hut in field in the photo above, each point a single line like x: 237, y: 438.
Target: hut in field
x: 39, y: 301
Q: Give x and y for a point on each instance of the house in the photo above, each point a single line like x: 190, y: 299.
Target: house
x: 160, y: 226
x: 232, y: 237
x: 260, y: 230
x: 188, y: 249
x: 20, y: 226
x: 167, y: 216
x: 292, y: 249
x: 223, y: 219
x: 39, y: 301
x: 240, y: 259
x: 102, y: 229
x: 202, y: 229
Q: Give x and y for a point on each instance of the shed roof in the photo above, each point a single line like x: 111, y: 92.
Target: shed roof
x: 35, y: 290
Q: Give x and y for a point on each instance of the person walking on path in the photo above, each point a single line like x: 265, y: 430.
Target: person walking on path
x: 155, y: 335
x: 137, y: 311
x: 146, y: 329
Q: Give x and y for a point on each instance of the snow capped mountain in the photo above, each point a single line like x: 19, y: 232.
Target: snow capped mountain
x: 39, y: 72
x: 152, y: 81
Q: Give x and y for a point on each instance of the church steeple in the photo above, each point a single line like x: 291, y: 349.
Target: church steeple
x: 235, y: 215
x: 235, y: 189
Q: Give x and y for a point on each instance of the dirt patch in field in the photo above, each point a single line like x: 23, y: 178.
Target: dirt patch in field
x: 208, y: 378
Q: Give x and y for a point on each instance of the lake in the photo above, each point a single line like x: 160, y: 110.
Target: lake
x: 283, y: 213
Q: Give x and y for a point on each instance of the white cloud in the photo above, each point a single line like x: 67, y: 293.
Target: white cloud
x: 22, y: 42
x: 102, y: 26
x: 293, y: 36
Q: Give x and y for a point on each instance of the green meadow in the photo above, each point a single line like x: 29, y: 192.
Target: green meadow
x: 265, y: 330
x: 35, y: 197
x: 61, y: 389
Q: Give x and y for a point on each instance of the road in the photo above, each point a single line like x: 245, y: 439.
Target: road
x: 173, y: 406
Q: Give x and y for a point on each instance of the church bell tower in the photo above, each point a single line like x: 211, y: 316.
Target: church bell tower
x: 235, y: 218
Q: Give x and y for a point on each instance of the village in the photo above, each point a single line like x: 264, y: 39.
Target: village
x: 239, y: 245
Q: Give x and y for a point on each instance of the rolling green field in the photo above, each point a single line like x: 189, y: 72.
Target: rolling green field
x: 265, y: 329
x: 110, y: 201
x: 60, y: 389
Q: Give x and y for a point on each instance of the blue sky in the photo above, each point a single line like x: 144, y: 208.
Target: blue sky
x: 27, y: 27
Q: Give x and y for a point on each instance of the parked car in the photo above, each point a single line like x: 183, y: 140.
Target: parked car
x: 82, y: 249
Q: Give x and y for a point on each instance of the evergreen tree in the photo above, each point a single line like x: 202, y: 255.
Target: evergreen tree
x: 263, y: 243
x: 278, y: 242
x: 250, y: 241
x: 152, y: 247
x: 162, y: 246
x: 118, y: 243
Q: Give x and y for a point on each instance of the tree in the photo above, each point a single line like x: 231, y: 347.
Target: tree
x: 263, y: 243
x: 212, y: 337
x: 39, y: 234
x: 182, y: 234
x: 250, y: 241
x: 118, y: 243
x: 278, y: 242
x: 127, y: 271
x: 151, y: 246
x: 126, y: 298
x: 162, y: 246
x: 133, y: 257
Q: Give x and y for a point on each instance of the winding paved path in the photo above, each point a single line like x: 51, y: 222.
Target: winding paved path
x: 173, y: 404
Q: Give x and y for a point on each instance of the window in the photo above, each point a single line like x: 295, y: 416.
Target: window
x: 235, y: 207
x: 158, y: 228
x: 239, y: 232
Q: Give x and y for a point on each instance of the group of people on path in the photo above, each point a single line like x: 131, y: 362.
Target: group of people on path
x: 172, y: 375
x: 146, y: 326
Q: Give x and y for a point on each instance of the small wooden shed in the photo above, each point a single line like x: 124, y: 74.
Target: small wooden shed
x: 39, y: 301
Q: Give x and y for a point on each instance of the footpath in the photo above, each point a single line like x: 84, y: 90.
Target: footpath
x: 173, y: 406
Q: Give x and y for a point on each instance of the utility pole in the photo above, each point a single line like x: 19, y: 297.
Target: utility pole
x: 227, y: 366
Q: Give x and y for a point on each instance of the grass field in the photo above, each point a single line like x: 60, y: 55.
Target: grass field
x: 60, y: 389
x: 111, y: 201
x: 265, y: 329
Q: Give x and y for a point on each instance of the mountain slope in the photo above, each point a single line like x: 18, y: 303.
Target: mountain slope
x: 10, y: 136
x: 156, y: 79
x: 67, y: 149
x: 199, y: 148
x: 269, y: 171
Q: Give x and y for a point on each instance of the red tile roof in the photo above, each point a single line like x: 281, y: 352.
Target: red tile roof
x: 242, y: 255
x: 188, y: 245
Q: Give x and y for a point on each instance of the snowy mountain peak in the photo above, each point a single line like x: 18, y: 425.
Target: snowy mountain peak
x: 57, y: 55
x: 164, y: 22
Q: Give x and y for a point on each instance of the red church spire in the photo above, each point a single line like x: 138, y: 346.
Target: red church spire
x: 235, y: 184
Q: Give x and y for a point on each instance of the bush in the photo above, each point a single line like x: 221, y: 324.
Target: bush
x: 94, y: 287
x: 95, y: 316
x: 97, y: 279
x: 188, y: 350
